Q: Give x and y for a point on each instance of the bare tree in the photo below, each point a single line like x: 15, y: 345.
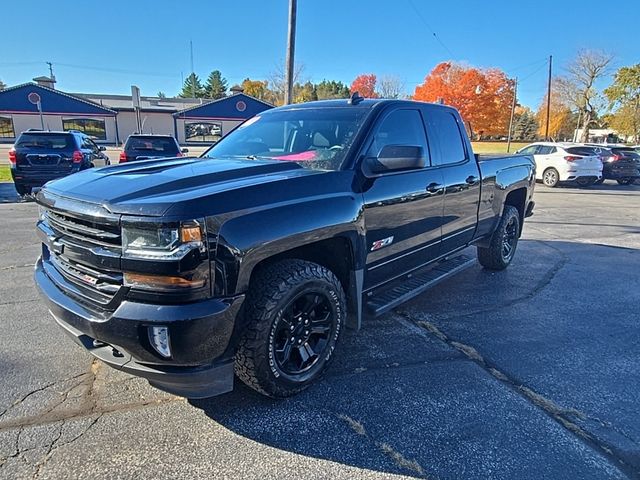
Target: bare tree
x: 390, y: 87
x: 578, y: 86
x: 277, y: 82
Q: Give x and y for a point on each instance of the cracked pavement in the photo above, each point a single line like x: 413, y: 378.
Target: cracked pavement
x: 528, y: 373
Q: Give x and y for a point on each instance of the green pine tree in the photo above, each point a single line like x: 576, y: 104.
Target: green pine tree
x: 2, y: 85
x: 525, y: 126
x: 192, y: 87
x: 328, y: 89
x: 161, y: 94
x: 216, y: 85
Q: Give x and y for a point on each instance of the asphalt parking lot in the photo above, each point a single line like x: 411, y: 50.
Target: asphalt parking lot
x: 533, y: 372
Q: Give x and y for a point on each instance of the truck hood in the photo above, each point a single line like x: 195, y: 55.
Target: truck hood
x: 153, y: 187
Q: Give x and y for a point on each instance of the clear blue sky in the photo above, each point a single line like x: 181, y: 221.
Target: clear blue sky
x: 147, y: 42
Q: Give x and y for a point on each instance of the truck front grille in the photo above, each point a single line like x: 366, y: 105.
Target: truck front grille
x: 87, y: 231
x: 85, y: 251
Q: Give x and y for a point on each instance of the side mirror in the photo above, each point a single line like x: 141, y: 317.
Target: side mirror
x: 184, y: 150
x: 396, y: 157
x: 102, y: 148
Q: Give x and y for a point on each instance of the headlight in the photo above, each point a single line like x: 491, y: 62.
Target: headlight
x: 164, y: 257
x: 162, y: 241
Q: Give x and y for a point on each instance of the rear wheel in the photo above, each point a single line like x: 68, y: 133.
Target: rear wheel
x: 600, y: 181
x: 625, y: 181
x: 502, y: 248
x: 295, y: 312
x: 22, y: 190
x: 551, y: 177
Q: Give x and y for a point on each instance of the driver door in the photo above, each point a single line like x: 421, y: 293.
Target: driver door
x: 403, y: 209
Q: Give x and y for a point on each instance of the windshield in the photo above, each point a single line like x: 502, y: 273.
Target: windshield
x: 316, y: 138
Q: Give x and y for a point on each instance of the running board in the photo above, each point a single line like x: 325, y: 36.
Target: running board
x: 407, y: 288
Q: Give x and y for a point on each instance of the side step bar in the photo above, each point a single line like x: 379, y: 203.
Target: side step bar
x: 407, y: 288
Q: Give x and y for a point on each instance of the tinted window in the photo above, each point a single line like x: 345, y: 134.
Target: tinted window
x: 316, y: 138
x: 530, y: 150
x: 586, y: 151
x: 152, y: 145
x: 46, y: 141
x: 402, y: 127
x: 545, y: 150
x: 88, y: 144
x: 626, y: 152
x: 444, y: 131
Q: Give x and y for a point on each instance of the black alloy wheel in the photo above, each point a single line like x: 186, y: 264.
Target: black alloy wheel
x: 302, y: 333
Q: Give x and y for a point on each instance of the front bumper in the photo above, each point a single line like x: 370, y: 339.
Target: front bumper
x: 200, y: 333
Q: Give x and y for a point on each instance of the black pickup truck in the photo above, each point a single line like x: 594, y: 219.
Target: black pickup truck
x: 254, y: 257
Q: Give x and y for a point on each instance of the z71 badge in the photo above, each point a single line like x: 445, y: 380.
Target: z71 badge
x: 378, y: 244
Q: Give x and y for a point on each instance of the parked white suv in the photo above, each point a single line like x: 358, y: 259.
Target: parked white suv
x: 563, y: 162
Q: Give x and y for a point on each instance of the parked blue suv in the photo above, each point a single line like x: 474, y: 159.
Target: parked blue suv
x: 40, y: 156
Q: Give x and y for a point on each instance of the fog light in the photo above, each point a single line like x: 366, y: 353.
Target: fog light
x: 159, y: 338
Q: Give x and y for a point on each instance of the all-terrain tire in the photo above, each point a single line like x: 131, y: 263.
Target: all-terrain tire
x: 272, y: 292
x: 494, y: 257
x: 625, y: 181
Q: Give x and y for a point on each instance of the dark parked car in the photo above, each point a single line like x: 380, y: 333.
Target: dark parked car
x: 39, y: 156
x: 142, y: 147
x: 257, y: 255
x: 618, y: 163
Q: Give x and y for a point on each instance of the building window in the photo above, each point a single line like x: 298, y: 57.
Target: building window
x: 6, y: 127
x: 202, y: 132
x: 89, y: 126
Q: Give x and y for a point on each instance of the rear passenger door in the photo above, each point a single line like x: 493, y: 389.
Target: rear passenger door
x: 403, y: 209
x: 461, y: 176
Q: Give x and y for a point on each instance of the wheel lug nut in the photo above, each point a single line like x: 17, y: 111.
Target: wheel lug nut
x: 306, y: 332
x: 293, y: 339
x: 299, y: 341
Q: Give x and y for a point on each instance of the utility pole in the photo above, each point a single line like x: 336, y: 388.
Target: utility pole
x: 546, y: 130
x: 51, y: 75
x: 513, y: 109
x: 193, y: 74
x: 291, y: 47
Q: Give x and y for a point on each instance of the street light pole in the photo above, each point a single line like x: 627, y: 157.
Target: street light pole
x: 291, y: 47
x: 546, y: 130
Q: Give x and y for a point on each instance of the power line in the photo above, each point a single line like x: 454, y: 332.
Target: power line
x: 114, y: 70
x: 431, y: 29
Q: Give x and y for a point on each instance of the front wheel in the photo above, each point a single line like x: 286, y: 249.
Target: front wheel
x: 600, y: 181
x: 551, y: 177
x: 502, y: 248
x: 295, y: 312
x: 625, y: 181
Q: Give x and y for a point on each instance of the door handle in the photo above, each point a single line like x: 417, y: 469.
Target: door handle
x: 472, y: 179
x: 435, y: 187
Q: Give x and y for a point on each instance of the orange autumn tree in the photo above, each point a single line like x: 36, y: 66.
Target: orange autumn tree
x: 365, y: 85
x: 483, y: 97
x: 560, y: 119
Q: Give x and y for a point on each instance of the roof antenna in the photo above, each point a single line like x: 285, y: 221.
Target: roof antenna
x: 355, y: 99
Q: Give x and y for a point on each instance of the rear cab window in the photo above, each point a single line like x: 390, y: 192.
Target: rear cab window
x: 46, y: 141
x: 152, y: 145
x: 444, y: 132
